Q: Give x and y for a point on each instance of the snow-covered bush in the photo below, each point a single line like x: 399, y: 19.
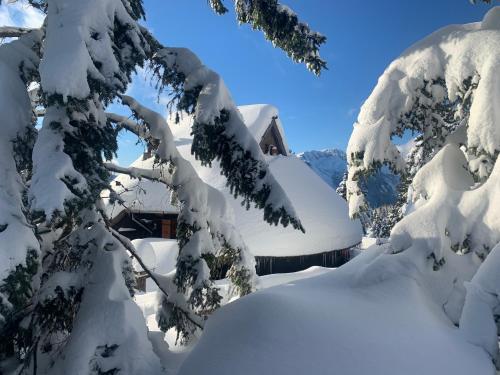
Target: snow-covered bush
x: 65, y: 278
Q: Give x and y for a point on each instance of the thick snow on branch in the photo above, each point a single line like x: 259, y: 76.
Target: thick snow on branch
x: 446, y: 88
x: 109, y: 330
x: 87, y: 321
x: 202, y: 225
x: 55, y: 180
x: 81, y: 46
x: 219, y: 133
x: 126, y: 123
x: 17, y: 236
x: 205, y: 203
x: 428, y: 90
x: 87, y: 59
x: 13, y: 31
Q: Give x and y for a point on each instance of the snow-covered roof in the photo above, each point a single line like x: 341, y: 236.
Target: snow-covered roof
x: 322, y: 211
x: 258, y: 117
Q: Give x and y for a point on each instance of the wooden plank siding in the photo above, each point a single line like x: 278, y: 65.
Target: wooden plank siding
x: 267, y: 265
x: 135, y: 225
x: 169, y: 228
x: 143, y: 225
x: 272, y: 137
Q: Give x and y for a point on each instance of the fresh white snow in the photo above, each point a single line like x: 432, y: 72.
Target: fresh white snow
x: 159, y: 255
x: 15, y: 107
x: 337, y: 323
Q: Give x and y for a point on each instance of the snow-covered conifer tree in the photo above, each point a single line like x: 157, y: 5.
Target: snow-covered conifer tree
x: 447, y: 89
x: 342, y: 188
x: 203, y: 233
x: 74, y: 313
x: 20, y: 251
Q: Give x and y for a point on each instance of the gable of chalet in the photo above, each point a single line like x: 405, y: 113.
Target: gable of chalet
x: 272, y: 141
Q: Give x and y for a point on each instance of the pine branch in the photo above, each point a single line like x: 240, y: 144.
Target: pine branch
x: 219, y: 132
x: 282, y: 27
x: 13, y: 31
x: 140, y: 130
x: 131, y: 249
x: 217, y: 6
x: 139, y: 173
x: 126, y: 123
x: 201, y: 228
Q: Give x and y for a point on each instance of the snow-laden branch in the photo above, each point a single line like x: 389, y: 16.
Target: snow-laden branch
x: 126, y: 123
x: 202, y: 228
x: 219, y: 132
x: 19, y: 246
x: 139, y: 173
x: 90, y: 49
x: 194, y: 319
x: 437, y: 95
x: 13, y: 31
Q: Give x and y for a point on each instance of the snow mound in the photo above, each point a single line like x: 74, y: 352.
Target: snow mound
x: 328, y: 324
x: 159, y: 255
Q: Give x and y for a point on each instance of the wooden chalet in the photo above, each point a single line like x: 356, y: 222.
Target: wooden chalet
x: 276, y: 250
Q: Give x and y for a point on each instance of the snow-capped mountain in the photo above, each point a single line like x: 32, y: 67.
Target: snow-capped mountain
x: 330, y: 165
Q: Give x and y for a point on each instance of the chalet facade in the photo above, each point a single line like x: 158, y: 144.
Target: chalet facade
x: 329, y: 231
x: 137, y: 224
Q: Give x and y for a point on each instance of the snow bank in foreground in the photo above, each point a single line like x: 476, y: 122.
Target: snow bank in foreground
x: 174, y: 355
x: 329, y: 324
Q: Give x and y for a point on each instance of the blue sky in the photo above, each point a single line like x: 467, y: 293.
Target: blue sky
x: 363, y: 38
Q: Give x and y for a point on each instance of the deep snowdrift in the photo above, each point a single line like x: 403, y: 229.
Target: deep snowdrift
x: 337, y: 323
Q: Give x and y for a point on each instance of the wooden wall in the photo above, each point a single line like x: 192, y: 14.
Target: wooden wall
x: 270, y: 265
x: 144, y: 225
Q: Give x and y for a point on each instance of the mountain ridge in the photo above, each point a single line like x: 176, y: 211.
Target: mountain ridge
x: 331, y: 164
